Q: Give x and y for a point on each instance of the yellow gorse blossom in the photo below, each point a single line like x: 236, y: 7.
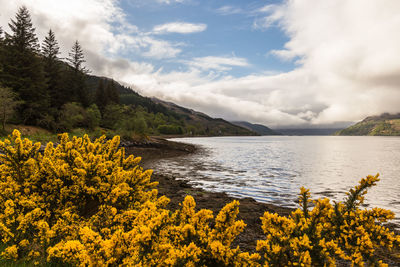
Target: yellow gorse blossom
x: 327, y: 232
x: 85, y: 203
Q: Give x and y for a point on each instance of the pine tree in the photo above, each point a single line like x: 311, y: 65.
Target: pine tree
x: 23, y: 69
x: 112, y: 93
x: 76, y: 58
x: 24, y: 37
x: 101, y: 99
x: 77, y: 79
x: 52, y: 68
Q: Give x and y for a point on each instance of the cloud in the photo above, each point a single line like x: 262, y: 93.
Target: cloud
x: 349, y: 53
x: 179, y: 27
x: 229, y: 10
x: 268, y: 16
x: 217, y: 63
x: 99, y: 25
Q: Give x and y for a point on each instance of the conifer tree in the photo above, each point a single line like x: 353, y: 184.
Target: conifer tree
x: 52, y: 68
x: 77, y: 79
x: 23, y: 69
x: 24, y: 37
x: 101, y: 99
x: 112, y: 93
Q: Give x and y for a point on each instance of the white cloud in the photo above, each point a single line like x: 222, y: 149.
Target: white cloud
x: 229, y: 10
x: 179, y: 27
x: 217, y: 63
x: 270, y: 15
x: 99, y: 25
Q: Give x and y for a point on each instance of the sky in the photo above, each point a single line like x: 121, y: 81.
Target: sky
x: 284, y: 64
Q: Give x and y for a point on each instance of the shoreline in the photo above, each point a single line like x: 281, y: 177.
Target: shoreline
x: 176, y: 190
x: 250, y: 211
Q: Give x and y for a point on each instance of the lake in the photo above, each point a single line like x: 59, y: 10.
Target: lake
x: 272, y: 169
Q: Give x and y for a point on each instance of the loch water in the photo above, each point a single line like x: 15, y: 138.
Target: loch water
x: 272, y: 169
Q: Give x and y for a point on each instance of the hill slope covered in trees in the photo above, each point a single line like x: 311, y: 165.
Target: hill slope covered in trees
x: 38, y: 88
x: 385, y: 124
x: 258, y: 128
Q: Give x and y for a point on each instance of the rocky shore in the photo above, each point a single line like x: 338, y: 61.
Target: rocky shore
x: 156, y: 148
x: 176, y: 190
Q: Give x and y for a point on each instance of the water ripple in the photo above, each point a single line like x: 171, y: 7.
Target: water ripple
x: 271, y: 169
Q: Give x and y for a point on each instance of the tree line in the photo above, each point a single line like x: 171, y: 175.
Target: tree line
x: 38, y: 87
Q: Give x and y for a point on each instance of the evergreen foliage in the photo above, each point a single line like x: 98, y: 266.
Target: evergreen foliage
x: 23, y: 68
x: 77, y: 75
x: 52, y: 68
x: 101, y: 98
x: 112, y: 95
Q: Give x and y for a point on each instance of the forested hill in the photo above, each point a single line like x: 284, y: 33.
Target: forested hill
x: 204, y: 123
x: 177, y: 120
x: 39, y: 88
x: 385, y: 124
x: 258, y: 128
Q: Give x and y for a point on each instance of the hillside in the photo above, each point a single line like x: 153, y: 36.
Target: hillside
x: 258, y: 128
x: 385, y: 124
x: 192, y: 122
x: 202, y: 123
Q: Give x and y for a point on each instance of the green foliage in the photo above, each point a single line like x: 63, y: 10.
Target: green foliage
x: 52, y: 69
x: 111, y: 93
x: 77, y: 75
x: 170, y: 129
x: 385, y: 124
x: 8, y: 104
x: 100, y: 96
x: 111, y: 116
x: 93, y: 117
x: 23, y: 69
x: 72, y: 116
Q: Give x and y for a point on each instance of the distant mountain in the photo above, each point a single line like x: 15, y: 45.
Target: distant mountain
x: 209, y: 126
x: 385, y: 124
x: 258, y: 128
x: 321, y: 131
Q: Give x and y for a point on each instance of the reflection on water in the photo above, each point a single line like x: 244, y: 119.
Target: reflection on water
x: 272, y: 168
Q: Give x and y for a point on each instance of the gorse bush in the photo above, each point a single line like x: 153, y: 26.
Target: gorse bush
x: 328, y: 232
x: 84, y: 203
